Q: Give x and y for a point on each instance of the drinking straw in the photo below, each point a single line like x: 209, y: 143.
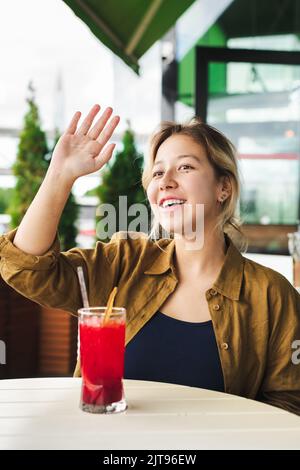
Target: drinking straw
x: 82, y: 287
x: 86, y: 305
x: 110, y: 304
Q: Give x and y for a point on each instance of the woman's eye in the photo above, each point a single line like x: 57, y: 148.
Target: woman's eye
x: 186, y: 167
x: 157, y: 173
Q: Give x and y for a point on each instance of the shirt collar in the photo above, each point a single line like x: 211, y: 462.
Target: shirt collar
x: 164, y: 261
x: 230, y: 278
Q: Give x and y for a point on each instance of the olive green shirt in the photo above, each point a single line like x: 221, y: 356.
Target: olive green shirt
x: 255, y: 311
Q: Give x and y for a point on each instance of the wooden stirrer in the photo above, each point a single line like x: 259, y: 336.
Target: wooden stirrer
x: 110, y: 304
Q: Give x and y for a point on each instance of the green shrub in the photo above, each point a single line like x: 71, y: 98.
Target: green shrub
x: 30, y: 168
x: 30, y: 165
x: 122, y: 177
x: 5, y: 196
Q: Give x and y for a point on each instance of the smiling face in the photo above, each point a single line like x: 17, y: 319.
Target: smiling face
x: 183, y: 177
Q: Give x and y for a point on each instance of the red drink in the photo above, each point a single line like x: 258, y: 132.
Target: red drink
x: 102, y: 350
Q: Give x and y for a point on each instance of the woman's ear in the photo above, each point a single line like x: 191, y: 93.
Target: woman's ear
x: 225, y: 189
x: 226, y: 184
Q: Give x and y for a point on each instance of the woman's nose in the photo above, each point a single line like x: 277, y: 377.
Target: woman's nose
x: 167, y: 182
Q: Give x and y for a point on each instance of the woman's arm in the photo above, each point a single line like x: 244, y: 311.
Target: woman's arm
x: 51, y: 279
x: 30, y: 257
x: 38, y: 228
x: 77, y: 153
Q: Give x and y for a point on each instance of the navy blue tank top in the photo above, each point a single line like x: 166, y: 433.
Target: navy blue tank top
x: 175, y: 351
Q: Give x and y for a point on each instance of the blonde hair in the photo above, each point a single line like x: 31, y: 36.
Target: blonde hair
x: 220, y: 153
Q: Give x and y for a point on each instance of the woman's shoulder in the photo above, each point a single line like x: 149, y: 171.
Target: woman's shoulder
x: 268, y: 279
x: 270, y: 288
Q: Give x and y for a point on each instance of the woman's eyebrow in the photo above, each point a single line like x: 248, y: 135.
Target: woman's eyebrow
x: 179, y: 157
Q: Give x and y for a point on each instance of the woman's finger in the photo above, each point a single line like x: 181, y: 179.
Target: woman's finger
x: 88, y: 121
x: 100, y: 124
x: 108, y: 131
x: 104, y: 156
x: 73, y: 124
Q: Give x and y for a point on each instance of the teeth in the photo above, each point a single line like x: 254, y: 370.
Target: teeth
x: 170, y: 202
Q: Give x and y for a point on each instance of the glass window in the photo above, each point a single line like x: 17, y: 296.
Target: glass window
x: 258, y: 107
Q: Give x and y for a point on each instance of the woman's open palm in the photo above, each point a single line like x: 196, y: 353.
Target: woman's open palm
x: 81, y: 151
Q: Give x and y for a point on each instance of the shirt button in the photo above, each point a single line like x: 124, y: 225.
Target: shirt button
x: 224, y: 346
x: 213, y: 292
x: 216, y: 307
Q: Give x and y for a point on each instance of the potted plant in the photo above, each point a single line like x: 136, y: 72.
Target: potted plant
x: 52, y: 333
x: 21, y: 325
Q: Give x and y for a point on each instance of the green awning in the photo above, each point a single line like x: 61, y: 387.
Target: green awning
x: 129, y: 27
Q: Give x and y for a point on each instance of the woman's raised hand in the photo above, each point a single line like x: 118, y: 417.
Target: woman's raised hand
x: 82, y: 151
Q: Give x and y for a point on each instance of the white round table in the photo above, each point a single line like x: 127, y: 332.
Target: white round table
x: 44, y: 414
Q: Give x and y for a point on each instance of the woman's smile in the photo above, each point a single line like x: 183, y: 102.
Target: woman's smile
x: 170, y: 203
x: 170, y: 208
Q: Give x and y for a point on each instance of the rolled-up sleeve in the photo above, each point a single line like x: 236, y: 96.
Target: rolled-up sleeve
x: 51, y: 279
x: 281, y: 385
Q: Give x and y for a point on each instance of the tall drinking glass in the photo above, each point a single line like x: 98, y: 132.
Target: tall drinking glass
x: 102, y: 347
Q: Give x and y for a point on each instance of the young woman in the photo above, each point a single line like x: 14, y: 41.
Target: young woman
x: 198, y: 312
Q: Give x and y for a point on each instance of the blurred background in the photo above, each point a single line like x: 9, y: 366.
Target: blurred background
x: 236, y: 63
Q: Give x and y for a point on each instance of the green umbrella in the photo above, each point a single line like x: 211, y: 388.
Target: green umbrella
x: 129, y: 27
